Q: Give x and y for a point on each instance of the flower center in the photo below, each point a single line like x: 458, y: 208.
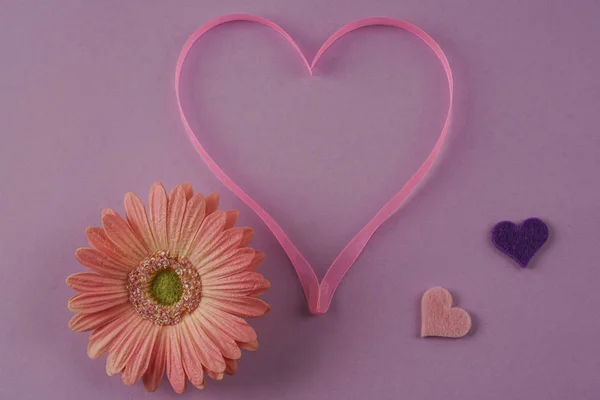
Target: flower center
x: 162, y: 289
x: 166, y: 287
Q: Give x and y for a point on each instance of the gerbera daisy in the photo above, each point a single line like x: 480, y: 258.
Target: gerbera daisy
x: 168, y: 289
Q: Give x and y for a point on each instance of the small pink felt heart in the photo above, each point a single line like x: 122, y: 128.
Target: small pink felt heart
x: 439, y: 318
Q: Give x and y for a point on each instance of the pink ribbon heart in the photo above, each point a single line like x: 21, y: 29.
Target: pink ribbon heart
x: 319, y: 295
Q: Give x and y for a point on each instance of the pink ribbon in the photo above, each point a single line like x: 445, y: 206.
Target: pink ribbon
x: 319, y: 295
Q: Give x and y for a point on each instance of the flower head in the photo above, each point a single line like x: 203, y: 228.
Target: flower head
x: 168, y: 289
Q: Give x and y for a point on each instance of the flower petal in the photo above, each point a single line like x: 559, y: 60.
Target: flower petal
x: 100, y: 241
x: 231, y: 366
x: 235, y: 327
x: 192, y: 220
x: 238, y: 285
x: 244, y: 307
x: 137, y: 366
x: 157, y: 207
x: 215, y: 375
x: 247, y: 236
x: 92, y: 282
x: 91, y: 302
x: 189, y: 191
x: 259, y: 257
x: 226, y: 345
x: 158, y: 361
x: 138, y: 220
x: 175, y: 371
x: 88, y: 322
x: 100, y: 263
x: 266, y: 285
x: 119, y: 231
x: 191, y: 361
x: 212, y: 203
x: 175, y: 215
x: 251, y: 346
x: 207, y: 235
x: 228, y: 264
x: 104, y: 336
x: 232, y: 217
x: 226, y: 242
x: 124, y: 345
x: 207, y: 351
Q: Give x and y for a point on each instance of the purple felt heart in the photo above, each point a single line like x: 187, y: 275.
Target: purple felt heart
x: 520, y: 242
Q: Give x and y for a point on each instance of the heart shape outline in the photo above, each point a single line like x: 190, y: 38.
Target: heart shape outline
x: 439, y: 318
x: 320, y: 295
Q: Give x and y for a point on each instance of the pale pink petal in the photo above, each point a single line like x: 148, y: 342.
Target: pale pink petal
x: 247, y: 236
x: 91, y: 302
x: 228, y: 264
x: 189, y: 191
x: 232, y: 217
x: 251, y: 346
x: 266, y: 285
x: 157, y: 208
x: 138, y: 220
x: 209, y: 354
x: 92, y: 282
x: 100, y: 241
x: 215, y: 375
x: 119, y: 231
x: 259, y: 257
x: 175, y: 215
x: 182, y: 186
x: 104, y: 336
x: 137, y: 366
x: 226, y: 345
x: 238, y: 285
x: 192, y: 220
x: 244, y: 307
x: 209, y: 231
x: 191, y: 360
x: 100, y: 263
x: 231, y: 366
x: 222, y: 247
x: 88, y: 322
x: 212, y: 203
x: 158, y: 361
x: 123, y: 346
x: 175, y: 371
x: 237, y: 328
x: 226, y: 242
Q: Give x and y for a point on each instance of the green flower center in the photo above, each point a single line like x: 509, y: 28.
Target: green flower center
x: 166, y: 287
x: 163, y: 289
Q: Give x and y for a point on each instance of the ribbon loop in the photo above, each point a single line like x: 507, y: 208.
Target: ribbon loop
x: 319, y: 295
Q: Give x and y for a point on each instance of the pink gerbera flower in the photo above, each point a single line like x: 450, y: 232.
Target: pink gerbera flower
x: 167, y: 292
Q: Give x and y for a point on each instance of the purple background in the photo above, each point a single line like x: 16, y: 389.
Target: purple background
x: 87, y: 113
